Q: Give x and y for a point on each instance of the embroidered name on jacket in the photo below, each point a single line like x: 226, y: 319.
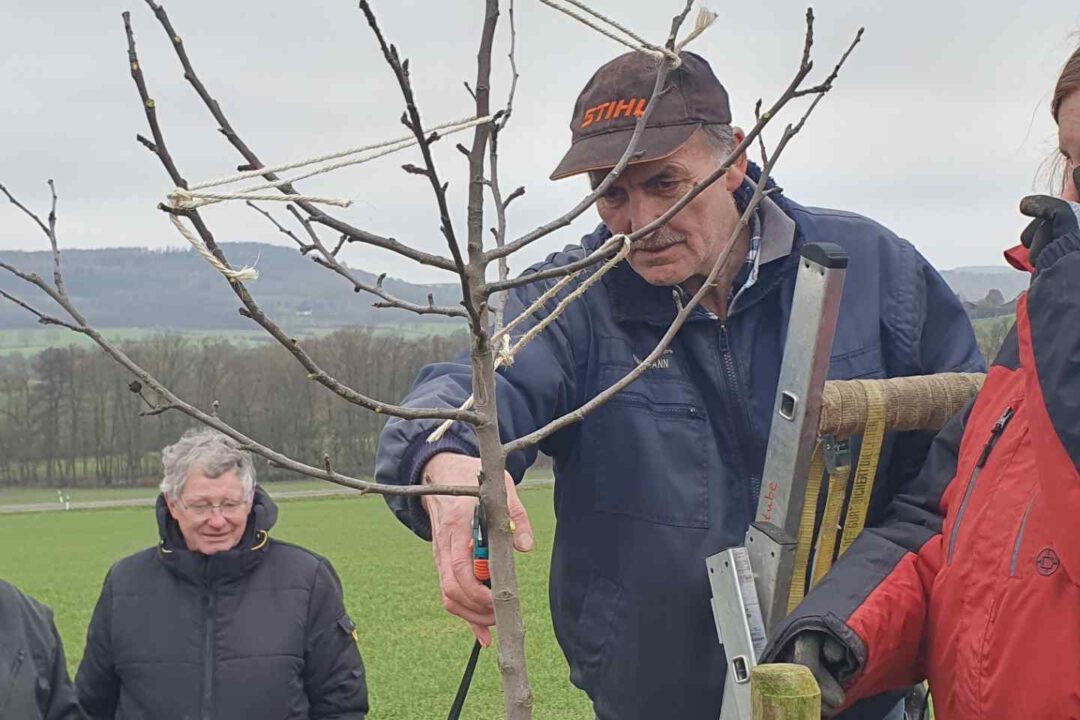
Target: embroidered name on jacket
x: 661, y: 363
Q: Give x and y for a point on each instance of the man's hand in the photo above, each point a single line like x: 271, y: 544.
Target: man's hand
x: 451, y: 536
x: 1054, y: 219
x: 823, y: 655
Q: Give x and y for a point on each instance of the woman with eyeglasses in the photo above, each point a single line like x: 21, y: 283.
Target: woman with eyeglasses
x: 219, y: 620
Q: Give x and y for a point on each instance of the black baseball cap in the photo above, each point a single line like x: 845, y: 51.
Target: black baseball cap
x: 615, y: 97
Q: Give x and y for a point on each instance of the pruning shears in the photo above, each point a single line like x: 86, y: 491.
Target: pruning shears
x: 482, y: 572
x: 480, y: 545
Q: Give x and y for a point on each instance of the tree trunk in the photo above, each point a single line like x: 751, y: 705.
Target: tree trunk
x: 510, y: 637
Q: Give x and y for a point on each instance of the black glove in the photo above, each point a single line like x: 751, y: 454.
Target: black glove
x: 824, y: 656
x: 1057, y: 222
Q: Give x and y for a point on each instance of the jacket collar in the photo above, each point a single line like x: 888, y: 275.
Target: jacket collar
x: 231, y: 564
x: 635, y: 300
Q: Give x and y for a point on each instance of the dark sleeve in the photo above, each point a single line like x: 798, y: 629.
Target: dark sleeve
x: 927, y: 332
x: 63, y: 703
x: 96, y: 680
x: 1051, y: 337
x: 874, y: 600
x: 334, y: 677
x: 926, y: 328
x: 538, y: 387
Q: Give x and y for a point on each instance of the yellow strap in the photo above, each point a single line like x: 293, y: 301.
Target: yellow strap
x: 806, y: 528
x: 869, y: 454
x: 830, y: 522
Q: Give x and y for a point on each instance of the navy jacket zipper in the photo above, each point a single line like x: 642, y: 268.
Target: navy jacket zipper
x: 995, y: 433
x: 741, y: 429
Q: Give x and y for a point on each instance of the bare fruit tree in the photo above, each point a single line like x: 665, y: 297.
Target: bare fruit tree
x: 494, y: 339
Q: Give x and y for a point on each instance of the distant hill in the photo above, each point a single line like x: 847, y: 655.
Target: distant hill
x: 176, y: 290
x: 973, y: 284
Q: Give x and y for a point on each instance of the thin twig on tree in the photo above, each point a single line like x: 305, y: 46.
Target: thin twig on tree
x: 328, y: 259
x: 174, y: 402
x: 412, y: 120
x: 317, y: 215
x: 305, y: 248
x: 628, y: 155
x: 498, y: 304
x: 42, y: 317
x: 676, y: 23
x: 49, y: 230
x: 602, y: 253
x: 251, y: 309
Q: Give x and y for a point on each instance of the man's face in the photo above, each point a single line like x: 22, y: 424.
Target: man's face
x: 1069, y: 142
x: 211, y: 512
x: 689, y: 244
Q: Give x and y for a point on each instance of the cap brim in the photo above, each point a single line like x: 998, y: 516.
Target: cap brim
x: 601, y: 152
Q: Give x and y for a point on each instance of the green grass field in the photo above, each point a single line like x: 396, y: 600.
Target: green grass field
x: 413, y: 650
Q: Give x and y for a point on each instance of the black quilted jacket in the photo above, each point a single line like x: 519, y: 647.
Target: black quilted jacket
x: 259, y: 631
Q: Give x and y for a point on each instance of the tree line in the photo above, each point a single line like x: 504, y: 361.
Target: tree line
x: 69, y: 417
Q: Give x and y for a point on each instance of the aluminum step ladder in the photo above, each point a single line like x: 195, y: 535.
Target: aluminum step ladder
x: 750, y: 583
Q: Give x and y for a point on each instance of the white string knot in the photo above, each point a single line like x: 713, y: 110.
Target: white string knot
x: 705, y: 18
x: 179, y: 199
x: 506, y: 355
x: 244, y: 274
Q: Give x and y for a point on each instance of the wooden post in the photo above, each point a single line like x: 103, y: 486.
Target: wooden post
x: 784, y: 692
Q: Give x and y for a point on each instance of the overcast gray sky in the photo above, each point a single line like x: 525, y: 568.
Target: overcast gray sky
x: 936, y: 128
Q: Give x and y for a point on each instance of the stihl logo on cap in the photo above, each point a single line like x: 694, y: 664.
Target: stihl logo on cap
x: 631, y: 107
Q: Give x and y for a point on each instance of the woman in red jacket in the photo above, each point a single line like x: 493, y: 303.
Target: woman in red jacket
x: 973, y: 582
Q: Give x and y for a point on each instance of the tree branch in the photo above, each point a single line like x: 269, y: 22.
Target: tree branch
x: 411, y: 119
x: 174, y: 402
x: 676, y: 23
x: 602, y: 253
x: 329, y: 261
x: 498, y: 305
x: 628, y: 155
x: 42, y: 318
x: 251, y: 308
x: 354, y: 234
x: 49, y: 230
x: 304, y: 247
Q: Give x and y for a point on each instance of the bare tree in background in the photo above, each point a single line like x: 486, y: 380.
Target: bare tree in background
x: 492, y: 342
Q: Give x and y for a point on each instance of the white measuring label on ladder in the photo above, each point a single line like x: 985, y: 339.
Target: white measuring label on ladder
x: 751, y: 606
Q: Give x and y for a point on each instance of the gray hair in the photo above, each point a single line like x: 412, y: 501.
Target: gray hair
x: 721, y: 138
x: 206, y: 451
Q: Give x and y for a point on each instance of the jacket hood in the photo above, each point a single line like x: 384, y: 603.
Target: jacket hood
x: 173, y: 551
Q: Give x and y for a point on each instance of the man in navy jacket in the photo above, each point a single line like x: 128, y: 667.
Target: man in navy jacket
x: 668, y: 472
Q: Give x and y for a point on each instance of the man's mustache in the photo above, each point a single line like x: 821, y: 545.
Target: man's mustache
x: 662, y: 238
